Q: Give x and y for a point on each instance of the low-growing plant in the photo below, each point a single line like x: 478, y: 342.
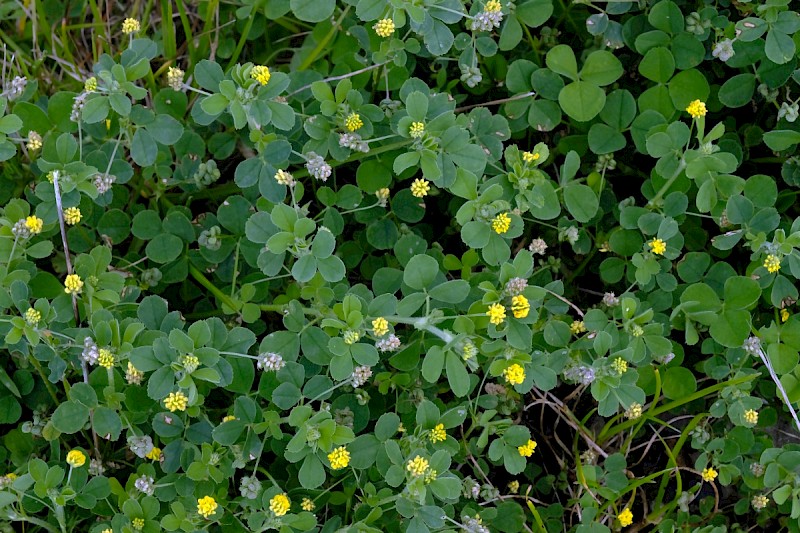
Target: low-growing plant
x: 399, y: 265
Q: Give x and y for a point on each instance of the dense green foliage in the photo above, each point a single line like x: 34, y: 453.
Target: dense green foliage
x: 399, y: 265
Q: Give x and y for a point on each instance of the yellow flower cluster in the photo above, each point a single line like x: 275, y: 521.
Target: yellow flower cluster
x: 420, y: 188
x: 228, y: 418
x: 785, y: 315
x: 625, y: 517
x: 697, y: 109
x: 751, y: 416
x: 206, y: 506
x: 73, y: 284
x: 34, y: 141
x: 353, y: 122
x: 176, y: 401
x: 34, y: 224
x: 339, y: 458
x: 90, y: 85
x: 501, y: 223
x: 384, y: 27
x: 417, y: 466
x: 634, y: 411
x: 514, y: 374
x: 351, y: 337
x: 380, y: 326
x: 32, y: 316
x: 438, y: 434
x: 175, y: 78
x: 138, y: 524
x: 527, y: 449
x: 620, y: 365
x: 105, y: 358
x: 771, y: 263
x: 492, y: 6
x: 155, y: 454
x: 709, y: 474
x: 577, y: 327
x: 130, y: 25
x: 72, y: 215
x: 76, y: 458
x: 261, y: 74
x: 520, y: 306
x: 496, y: 314
x: 657, y: 246
x: 284, y: 178
x: 530, y: 157
x: 416, y: 130
x: 280, y: 504
x: 513, y: 486
x: 307, y: 505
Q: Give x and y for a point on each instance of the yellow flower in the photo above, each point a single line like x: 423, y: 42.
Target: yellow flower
x: 34, y: 224
x: 383, y: 194
x: 492, y: 6
x: 709, y: 474
x: 384, y: 27
x: 351, y: 337
x: 417, y: 466
x: 527, y: 449
x: 155, y: 454
x: 175, y: 78
x: 105, y: 358
x: 520, y: 306
x: 229, y: 418
x: 307, y: 505
x: 380, y: 326
x: 353, y: 122
x: 416, y: 130
x: 34, y: 141
x: 657, y: 246
x: 176, y: 401
x: 339, y: 458
x: 280, y: 504
x: 420, y: 188
x: 620, y: 365
x: 73, y: 284
x: 634, y: 411
x: 577, y: 327
x: 261, y: 74
x: 72, y: 215
x: 625, y: 517
x: 32, y: 316
x: 496, y: 314
x: 206, y: 506
x: 771, y: 263
x: 759, y: 502
x: 438, y: 434
x: 514, y: 374
x: 501, y: 223
x: 751, y: 416
x: 138, y: 524
x: 90, y: 85
x: 529, y: 157
x: 697, y: 109
x: 785, y: 315
x: 130, y: 25
x: 76, y: 458
x: 513, y: 486
x: 284, y: 178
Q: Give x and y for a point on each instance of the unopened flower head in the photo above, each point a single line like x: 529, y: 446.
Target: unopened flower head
x: 515, y: 286
x: 351, y: 336
x: 420, y: 187
x: 137, y: 524
x: 34, y: 141
x: 657, y: 246
x: 416, y: 130
x: 280, y: 504
x: 250, y: 487
x: 284, y: 178
x: 73, y: 284
x: 206, y: 506
x: 72, y: 215
x: 32, y: 316
x: 176, y: 401
x: 76, y: 458
x: 307, y: 505
x: 520, y: 306
x: 353, y: 141
x: 103, y: 182
x: 538, y: 247
x: 469, y: 351
x: 145, y: 484
x: 140, y: 445
x: 384, y: 27
x: 582, y: 374
x: 383, y: 196
x: 34, y: 224
x: 175, y: 78
x: 105, y: 358
x: 388, y: 344
x: 527, y: 449
x: 759, y: 502
x: 752, y: 345
x: 697, y: 109
x: 228, y: 418
x: 577, y: 327
x: 190, y: 363
x: 132, y: 375
x: 270, y: 362
x: 17, y: 87
x: 501, y: 223
x: 785, y: 315
x: 380, y: 327
x: 339, y: 458
x: 634, y: 411
x: 620, y: 365
x: 130, y: 25
x: 513, y: 486
x: 317, y: 167
x: 772, y: 263
x: 90, y: 85
x: 751, y: 416
x: 261, y: 74
x: 360, y: 375
x: 496, y: 314
x: 353, y: 122
x: 514, y: 374
x: 625, y: 517
x: 610, y: 299
x: 709, y: 474
x: 417, y: 466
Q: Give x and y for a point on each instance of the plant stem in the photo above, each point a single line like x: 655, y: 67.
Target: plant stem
x: 205, y: 282
x: 664, y: 188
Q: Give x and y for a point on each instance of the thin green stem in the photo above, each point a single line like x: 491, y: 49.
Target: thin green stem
x: 205, y: 282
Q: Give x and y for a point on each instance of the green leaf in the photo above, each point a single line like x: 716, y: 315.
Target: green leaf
x: 666, y: 16
x: 457, y: 375
x: 143, y: 148
x: 658, y: 65
x: 738, y: 90
x: 164, y: 248
x: 420, y: 272
x: 604, y: 139
x: 678, y: 383
x: 561, y: 59
x: 70, y: 417
x: 214, y: 104
x: 286, y: 395
x: 780, y: 48
x: 534, y: 13
x: 313, y: 10
x: 582, y: 100
x: 312, y: 473
x: 601, y: 68
x: 453, y: 292
x: 581, y: 201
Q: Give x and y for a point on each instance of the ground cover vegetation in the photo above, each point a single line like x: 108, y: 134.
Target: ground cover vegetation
x: 399, y: 265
